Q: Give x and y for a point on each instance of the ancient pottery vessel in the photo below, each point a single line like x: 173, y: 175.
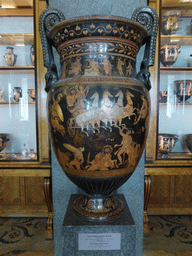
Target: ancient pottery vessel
x: 170, y: 22
x: 31, y: 93
x: 169, y: 54
x: 189, y: 141
x: 99, y: 106
x: 10, y: 57
x: 183, y: 90
x: 166, y: 143
x: 32, y: 55
x: 3, y: 140
x: 2, y: 98
x: 17, y: 93
x: 163, y: 96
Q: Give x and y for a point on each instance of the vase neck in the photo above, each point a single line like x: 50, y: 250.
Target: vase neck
x: 98, y: 57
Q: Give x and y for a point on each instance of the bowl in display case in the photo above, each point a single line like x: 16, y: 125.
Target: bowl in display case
x: 166, y: 143
x: 169, y: 54
x: 189, y: 141
x: 3, y: 140
x: 31, y: 93
x: 183, y: 90
x: 170, y: 22
x: 163, y: 96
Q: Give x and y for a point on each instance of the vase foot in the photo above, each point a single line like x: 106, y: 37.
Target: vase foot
x: 98, y: 208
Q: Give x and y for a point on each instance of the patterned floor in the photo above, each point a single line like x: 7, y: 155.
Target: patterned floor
x: 169, y: 233
x: 23, y: 234
x: 169, y: 236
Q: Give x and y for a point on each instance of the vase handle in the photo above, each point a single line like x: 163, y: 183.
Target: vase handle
x: 147, y: 17
x: 47, y: 20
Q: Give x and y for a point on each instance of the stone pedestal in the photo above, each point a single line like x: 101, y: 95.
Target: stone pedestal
x: 83, y: 237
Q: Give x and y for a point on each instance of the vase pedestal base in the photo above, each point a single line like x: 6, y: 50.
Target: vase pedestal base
x: 98, y: 208
x: 115, y: 236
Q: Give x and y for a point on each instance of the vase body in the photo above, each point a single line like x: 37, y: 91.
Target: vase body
x: 10, y: 57
x: 98, y: 110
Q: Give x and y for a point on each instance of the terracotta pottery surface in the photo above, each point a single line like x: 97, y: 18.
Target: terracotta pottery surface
x: 99, y: 106
x: 3, y: 140
x: 166, y: 143
x: 170, y: 22
x: 183, y: 90
x: 169, y: 54
x: 189, y: 141
x: 10, y: 57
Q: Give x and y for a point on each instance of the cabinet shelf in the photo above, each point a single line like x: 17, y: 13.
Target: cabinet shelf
x: 16, y: 103
x: 176, y: 39
x: 164, y: 104
x: 17, y: 70
x: 18, y: 157
x: 17, y: 39
x: 175, y: 69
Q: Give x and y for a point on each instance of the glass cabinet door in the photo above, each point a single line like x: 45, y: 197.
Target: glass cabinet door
x: 18, y: 125
x: 174, y: 140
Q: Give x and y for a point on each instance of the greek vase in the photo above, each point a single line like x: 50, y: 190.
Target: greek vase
x: 17, y: 93
x: 32, y: 55
x: 99, y: 107
x: 10, y: 57
x: 3, y: 141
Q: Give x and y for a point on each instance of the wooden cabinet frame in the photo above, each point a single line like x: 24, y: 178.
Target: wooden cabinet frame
x: 178, y: 172
x: 18, y: 177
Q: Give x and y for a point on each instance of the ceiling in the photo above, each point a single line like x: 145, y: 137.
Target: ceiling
x: 16, y: 3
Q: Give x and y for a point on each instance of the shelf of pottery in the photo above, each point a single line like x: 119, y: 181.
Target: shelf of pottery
x: 175, y: 85
x: 17, y: 89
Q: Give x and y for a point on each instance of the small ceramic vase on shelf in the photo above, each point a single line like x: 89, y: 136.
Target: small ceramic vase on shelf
x: 170, y: 22
x: 3, y: 140
x: 2, y: 99
x: 169, y: 54
x: 10, y: 57
x: 31, y: 93
x: 32, y: 55
x: 183, y: 90
x: 163, y: 96
x: 17, y: 93
x: 166, y: 143
x: 189, y: 141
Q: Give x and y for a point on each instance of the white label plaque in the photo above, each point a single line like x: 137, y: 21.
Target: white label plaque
x: 99, y: 241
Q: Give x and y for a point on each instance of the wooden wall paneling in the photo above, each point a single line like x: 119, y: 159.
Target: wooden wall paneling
x: 10, y: 194
x: 160, y: 190
x: 34, y: 190
x: 183, y: 189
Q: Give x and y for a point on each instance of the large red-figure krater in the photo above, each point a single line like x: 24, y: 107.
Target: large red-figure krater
x: 99, y: 106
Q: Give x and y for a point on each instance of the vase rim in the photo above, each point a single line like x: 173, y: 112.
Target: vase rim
x: 92, y: 18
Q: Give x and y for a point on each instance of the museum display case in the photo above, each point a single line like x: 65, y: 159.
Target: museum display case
x: 24, y: 145
x: 168, y: 153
